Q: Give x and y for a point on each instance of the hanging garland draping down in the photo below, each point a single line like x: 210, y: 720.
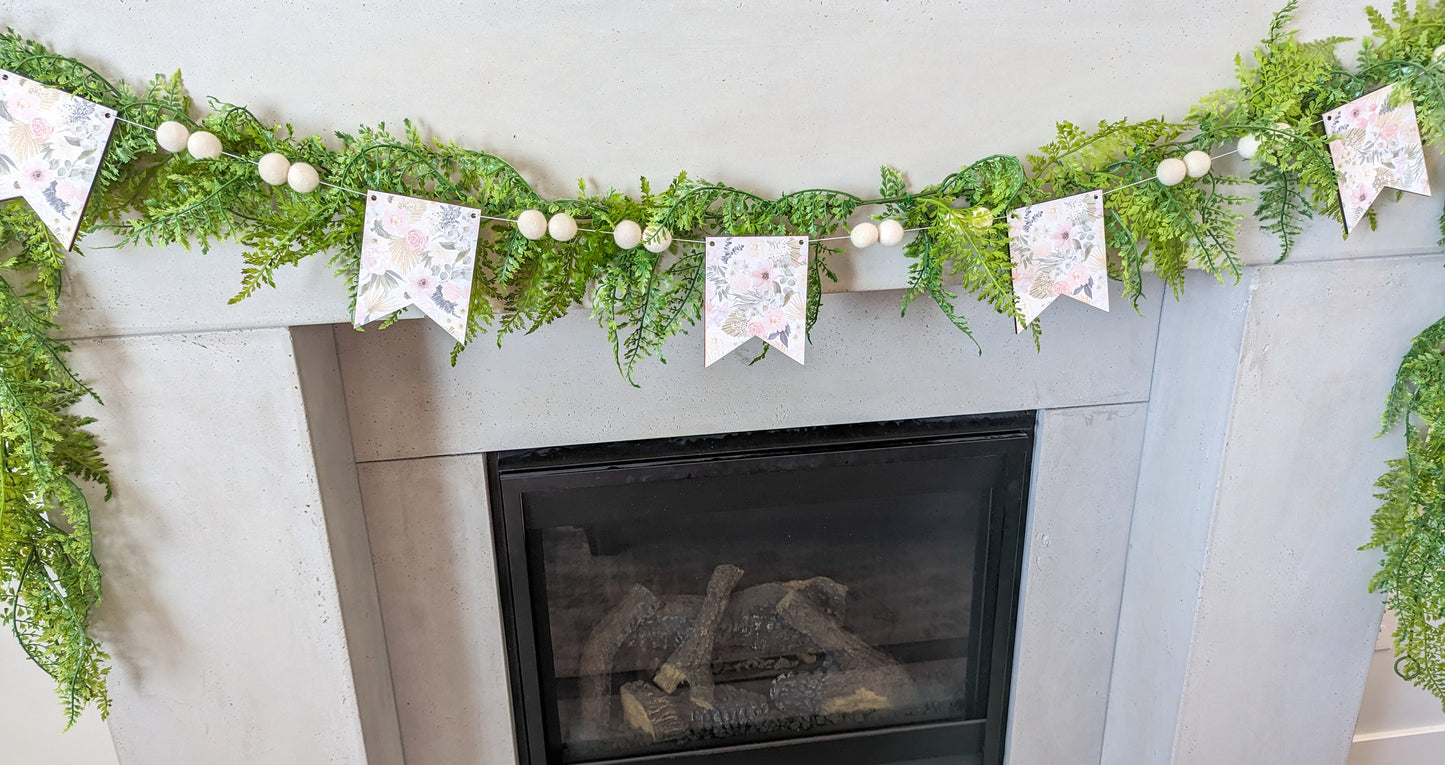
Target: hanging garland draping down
x: 232, y: 184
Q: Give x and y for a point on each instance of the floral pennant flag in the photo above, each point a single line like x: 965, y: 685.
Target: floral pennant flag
x: 1375, y: 146
x: 51, y: 144
x: 1057, y: 249
x: 417, y: 252
x: 757, y: 286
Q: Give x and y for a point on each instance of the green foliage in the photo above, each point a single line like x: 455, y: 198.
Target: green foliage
x: 643, y: 300
x: 1281, y: 96
x: 1409, y: 525
x: 963, y: 235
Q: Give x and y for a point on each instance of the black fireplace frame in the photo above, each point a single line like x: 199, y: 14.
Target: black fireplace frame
x: 1008, y: 435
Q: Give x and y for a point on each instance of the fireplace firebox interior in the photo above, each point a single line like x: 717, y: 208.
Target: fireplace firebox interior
x: 843, y: 593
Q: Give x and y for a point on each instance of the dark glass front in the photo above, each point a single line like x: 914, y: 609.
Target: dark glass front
x: 726, y: 596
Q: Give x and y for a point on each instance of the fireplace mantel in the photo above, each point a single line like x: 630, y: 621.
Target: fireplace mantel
x: 297, y: 561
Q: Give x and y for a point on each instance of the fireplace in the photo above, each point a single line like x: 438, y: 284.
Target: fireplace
x: 843, y: 594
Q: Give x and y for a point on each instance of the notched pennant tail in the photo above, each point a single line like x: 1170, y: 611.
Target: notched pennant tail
x: 1058, y: 249
x: 1375, y: 146
x: 417, y: 252
x: 51, y: 146
x: 755, y: 286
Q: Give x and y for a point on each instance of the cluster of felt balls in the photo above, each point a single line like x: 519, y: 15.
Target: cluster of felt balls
x: 534, y: 225
x: 273, y: 168
x: 1196, y: 163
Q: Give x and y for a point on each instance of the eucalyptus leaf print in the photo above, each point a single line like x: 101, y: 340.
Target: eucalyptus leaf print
x: 1375, y: 146
x: 416, y: 252
x: 51, y: 144
x: 757, y: 286
x: 1057, y: 248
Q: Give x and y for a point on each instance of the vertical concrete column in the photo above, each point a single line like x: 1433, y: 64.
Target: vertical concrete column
x: 1195, y: 365
x: 1286, y: 625
x: 221, y: 604
x: 1086, y: 466
x: 1246, y: 627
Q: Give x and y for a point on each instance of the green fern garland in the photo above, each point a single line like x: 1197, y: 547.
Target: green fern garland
x: 1409, y: 525
x: 50, y: 579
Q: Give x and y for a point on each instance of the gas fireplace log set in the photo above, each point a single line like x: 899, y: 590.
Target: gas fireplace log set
x: 789, y: 624
x: 840, y: 594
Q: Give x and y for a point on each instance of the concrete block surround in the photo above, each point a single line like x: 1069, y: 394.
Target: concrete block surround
x: 298, y: 561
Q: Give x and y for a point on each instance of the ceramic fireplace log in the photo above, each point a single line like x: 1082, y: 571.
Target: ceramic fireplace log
x: 751, y: 619
x: 692, y: 661
x: 867, y: 678
x: 600, y: 649
x: 653, y: 712
x: 668, y: 716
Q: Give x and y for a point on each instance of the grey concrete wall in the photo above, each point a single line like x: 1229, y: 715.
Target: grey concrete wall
x: 319, y: 375
x: 560, y: 385
x: 1320, y: 346
x: 1080, y: 509
x: 427, y: 511
x: 1246, y: 629
x: 221, y: 611
x: 33, y: 720
x: 1190, y: 399
x: 436, y: 574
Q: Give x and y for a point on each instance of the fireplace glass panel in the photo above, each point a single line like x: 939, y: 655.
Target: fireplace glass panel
x: 722, y: 599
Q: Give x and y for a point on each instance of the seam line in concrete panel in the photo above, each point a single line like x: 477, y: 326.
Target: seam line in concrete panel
x: 1213, y: 510
x: 1138, y: 479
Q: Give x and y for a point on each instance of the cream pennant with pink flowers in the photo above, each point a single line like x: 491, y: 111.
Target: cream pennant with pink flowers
x: 51, y: 144
x: 1058, y: 250
x: 757, y: 286
x: 1375, y: 146
x: 417, y: 252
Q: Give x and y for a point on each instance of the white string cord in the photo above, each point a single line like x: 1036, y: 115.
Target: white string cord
x: 818, y: 240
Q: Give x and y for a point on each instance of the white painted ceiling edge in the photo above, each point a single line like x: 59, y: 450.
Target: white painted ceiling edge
x: 770, y: 97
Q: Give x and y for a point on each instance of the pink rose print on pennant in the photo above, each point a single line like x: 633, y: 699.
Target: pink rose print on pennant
x: 51, y: 146
x: 68, y: 192
x: 1375, y: 146
x: 41, y: 130
x: 1058, y: 249
x: 416, y: 252
x: 22, y: 105
x: 395, y: 221
x: 756, y: 286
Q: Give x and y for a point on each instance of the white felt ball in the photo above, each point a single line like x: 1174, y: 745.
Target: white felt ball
x: 1197, y: 163
x: 890, y: 233
x: 532, y: 224
x: 627, y: 234
x: 302, y: 178
x: 1248, y: 146
x: 203, y: 145
x: 1439, y: 53
x: 656, y: 239
x: 1171, y: 171
x: 864, y: 234
x: 273, y: 168
x: 562, y: 227
x: 172, y: 136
